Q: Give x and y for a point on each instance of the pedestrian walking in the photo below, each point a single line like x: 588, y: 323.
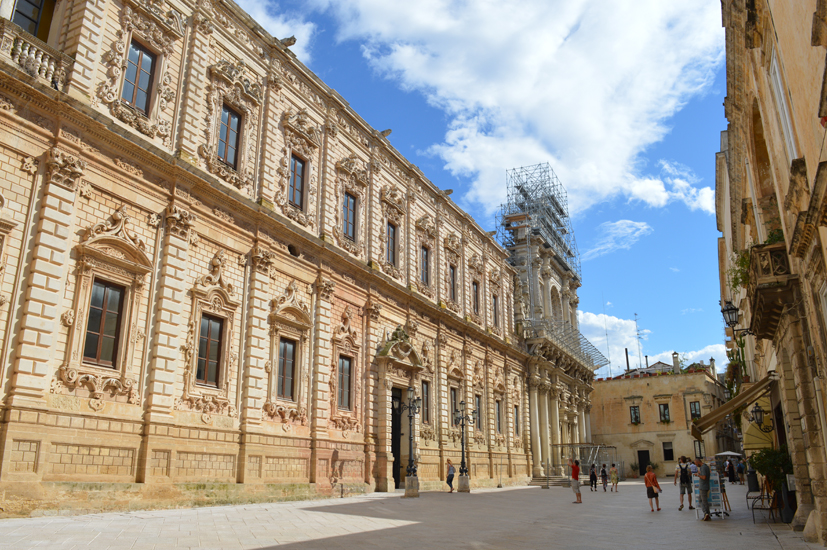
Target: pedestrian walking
x: 614, y: 476
x: 652, y: 487
x: 450, y: 477
x: 593, y: 478
x: 741, y: 468
x: 703, y: 475
x: 731, y: 473
x: 575, y: 479
x: 683, y: 474
x: 604, y: 477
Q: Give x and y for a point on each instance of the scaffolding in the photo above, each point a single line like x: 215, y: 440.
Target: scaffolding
x: 538, y: 200
x: 537, y: 211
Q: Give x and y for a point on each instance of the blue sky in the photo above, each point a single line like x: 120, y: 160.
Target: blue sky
x: 623, y: 99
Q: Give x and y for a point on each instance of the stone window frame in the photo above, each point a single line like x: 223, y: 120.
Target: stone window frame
x: 392, y: 205
x: 212, y: 295
x: 353, y: 180
x: 228, y: 85
x: 495, y: 290
x: 345, y: 342
x: 664, y: 418
x: 453, y: 256
x: 425, y: 238
x: 457, y: 380
x: 158, y: 29
x: 301, y: 139
x: 289, y: 317
x: 112, y: 252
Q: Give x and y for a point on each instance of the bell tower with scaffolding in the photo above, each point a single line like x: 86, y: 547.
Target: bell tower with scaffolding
x: 535, y: 227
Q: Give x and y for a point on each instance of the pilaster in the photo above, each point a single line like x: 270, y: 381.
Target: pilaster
x: 536, y: 456
x: 320, y: 378
x: 45, y: 282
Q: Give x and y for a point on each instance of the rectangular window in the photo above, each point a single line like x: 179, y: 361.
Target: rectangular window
x: 103, y: 326
x: 452, y: 273
x: 425, y: 268
x: 287, y: 366
x: 349, y: 211
x: 663, y: 409
x: 478, y: 404
x: 498, y: 413
x: 228, y: 136
x: 634, y: 412
x: 668, y: 452
x: 34, y: 16
x: 345, y: 365
x: 496, y: 305
x: 295, y: 193
x: 454, y: 402
x: 137, y: 80
x: 475, y: 289
x: 426, y: 402
x: 391, y: 242
x: 781, y: 106
x: 209, y: 350
x: 695, y: 410
x: 516, y: 420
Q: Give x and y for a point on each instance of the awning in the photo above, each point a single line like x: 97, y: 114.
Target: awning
x: 746, y: 397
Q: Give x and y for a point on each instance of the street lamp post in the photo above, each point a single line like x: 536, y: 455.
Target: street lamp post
x: 463, y: 419
x: 413, y: 406
x: 757, y: 418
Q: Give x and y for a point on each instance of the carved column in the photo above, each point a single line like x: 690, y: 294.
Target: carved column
x: 44, y: 285
x: 379, y: 407
x: 581, y: 417
x: 566, y: 310
x: 546, y: 298
x: 588, y: 412
x: 320, y: 379
x: 536, y: 457
x: 258, y: 338
x: 543, y: 396
x: 167, y: 356
x: 554, y: 410
x: 190, y: 128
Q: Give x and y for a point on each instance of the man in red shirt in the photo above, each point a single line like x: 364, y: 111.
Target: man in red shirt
x: 575, y: 479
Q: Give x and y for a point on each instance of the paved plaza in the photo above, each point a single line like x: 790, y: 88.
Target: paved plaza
x: 527, y: 517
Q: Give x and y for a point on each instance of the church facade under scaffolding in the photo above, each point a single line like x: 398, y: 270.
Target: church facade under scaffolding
x: 216, y: 279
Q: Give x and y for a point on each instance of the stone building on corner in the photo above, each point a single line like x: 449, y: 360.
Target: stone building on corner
x: 213, y: 270
x: 771, y: 178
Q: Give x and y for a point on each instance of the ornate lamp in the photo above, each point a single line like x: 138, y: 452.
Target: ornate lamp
x: 730, y: 313
x: 757, y: 418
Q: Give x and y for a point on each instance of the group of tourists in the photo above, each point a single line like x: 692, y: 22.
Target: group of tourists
x: 684, y: 471
x: 606, y: 476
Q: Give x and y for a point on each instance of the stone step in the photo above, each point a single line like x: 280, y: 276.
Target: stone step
x: 554, y: 481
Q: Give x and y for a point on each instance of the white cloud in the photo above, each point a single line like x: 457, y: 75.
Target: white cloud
x: 675, y: 269
x: 282, y: 25
x: 619, y: 235
x: 622, y: 335
x: 587, y: 85
x: 691, y: 310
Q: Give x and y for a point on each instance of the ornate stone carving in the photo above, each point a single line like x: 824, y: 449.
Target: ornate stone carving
x: 301, y: 134
x: 179, y: 221
x: 475, y: 265
x: 30, y: 165
x: 216, y: 276
x: 229, y: 85
x: 98, y: 385
x: 68, y: 318
x: 117, y: 226
x: 344, y: 329
x: 352, y: 180
x: 64, y: 169
x: 325, y: 288
x: 285, y: 414
x: 289, y: 299
x: 262, y: 260
x: 207, y: 405
x: 373, y: 309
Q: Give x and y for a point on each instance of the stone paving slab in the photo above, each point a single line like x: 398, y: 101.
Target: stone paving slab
x: 512, y: 518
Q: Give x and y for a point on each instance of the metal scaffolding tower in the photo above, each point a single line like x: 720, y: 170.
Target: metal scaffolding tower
x: 537, y: 198
x: 537, y: 207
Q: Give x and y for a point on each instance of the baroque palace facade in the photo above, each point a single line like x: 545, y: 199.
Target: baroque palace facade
x: 771, y: 178
x: 214, y: 271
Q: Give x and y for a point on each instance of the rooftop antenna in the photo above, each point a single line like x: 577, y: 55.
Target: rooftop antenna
x: 637, y: 332
x: 606, y: 328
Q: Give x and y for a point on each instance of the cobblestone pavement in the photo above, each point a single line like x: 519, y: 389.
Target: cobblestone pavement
x: 528, y: 517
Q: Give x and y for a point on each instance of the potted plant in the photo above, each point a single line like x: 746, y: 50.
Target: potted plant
x: 635, y: 470
x: 774, y: 465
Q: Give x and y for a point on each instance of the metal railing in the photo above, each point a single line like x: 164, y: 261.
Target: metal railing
x: 568, y: 339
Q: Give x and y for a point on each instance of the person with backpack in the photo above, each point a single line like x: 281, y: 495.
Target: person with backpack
x: 683, y: 473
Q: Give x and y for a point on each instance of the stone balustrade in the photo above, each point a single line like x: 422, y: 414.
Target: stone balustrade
x: 33, y: 56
